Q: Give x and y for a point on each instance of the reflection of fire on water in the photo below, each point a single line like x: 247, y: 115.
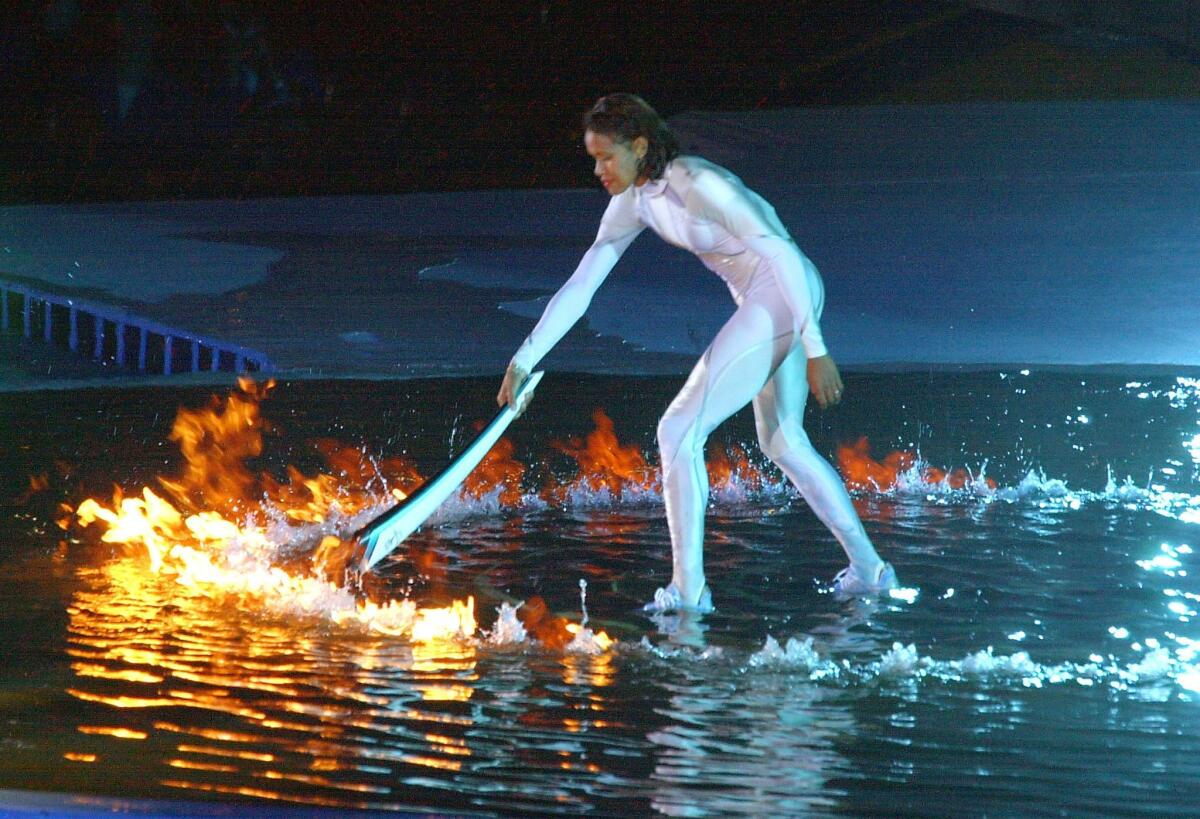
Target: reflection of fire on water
x: 188, y: 529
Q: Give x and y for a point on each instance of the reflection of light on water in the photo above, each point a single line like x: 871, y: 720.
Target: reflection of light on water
x: 73, y: 756
x: 143, y: 643
x: 1192, y: 445
x: 118, y: 733
x: 192, y: 765
x: 587, y: 669
x: 1166, y: 562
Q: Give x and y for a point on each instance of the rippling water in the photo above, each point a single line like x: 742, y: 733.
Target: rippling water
x: 1040, y: 658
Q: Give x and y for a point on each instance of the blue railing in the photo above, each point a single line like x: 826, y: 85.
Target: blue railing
x: 111, y: 334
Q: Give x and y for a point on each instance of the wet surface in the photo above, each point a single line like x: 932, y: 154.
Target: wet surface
x: 1041, y: 651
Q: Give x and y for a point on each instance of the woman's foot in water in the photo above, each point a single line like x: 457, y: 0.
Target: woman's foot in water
x: 854, y: 582
x: 669, y: 599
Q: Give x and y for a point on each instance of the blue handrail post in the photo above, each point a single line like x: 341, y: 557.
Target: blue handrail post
x: 98, y: 352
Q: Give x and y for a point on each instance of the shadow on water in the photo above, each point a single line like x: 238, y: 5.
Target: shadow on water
x: 1042, y: 650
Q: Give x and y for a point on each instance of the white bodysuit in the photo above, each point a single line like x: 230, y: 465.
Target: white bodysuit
x: 759, y: 355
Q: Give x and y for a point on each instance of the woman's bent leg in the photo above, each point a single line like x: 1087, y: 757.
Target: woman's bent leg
x: 731, y: 372
x: 779, y: 416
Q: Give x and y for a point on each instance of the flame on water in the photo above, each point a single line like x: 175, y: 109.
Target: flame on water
x: 211, y: 531
x: 188, y: 532
x: 731, y: 467
x: 498, y: 470
x: 215, y: 441
x: 861, y: 471
x: 605, y: 464
x: 559, y: 633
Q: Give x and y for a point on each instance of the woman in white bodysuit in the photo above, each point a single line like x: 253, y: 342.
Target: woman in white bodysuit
x: 770, y: 351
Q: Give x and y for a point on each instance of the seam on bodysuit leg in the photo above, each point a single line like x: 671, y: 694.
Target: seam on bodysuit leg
x: 710, y: 383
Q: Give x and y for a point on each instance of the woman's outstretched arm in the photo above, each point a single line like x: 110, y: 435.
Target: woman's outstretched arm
x: 618, y: 229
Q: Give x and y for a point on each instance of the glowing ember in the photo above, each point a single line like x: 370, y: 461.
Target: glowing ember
x: 861, y: 471
x: 37, y: 483
x: 605, y: 463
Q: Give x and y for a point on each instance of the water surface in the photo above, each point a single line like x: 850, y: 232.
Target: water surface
x: 1040, y: 658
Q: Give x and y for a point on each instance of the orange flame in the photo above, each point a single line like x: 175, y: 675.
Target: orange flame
x: 497, y: 469
x: 189, y: 542
x: 216, y: 441
x: 37, y: 483
x: 189, y: 539
x: 604, y: 462
x: 861, y: 471
x: 549, y: 629
x: 725, y: 467
x: 356, y: 469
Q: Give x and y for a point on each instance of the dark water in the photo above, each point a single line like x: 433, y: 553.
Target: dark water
x: 1041, y: 658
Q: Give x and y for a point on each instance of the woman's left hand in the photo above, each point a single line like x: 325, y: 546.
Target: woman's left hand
x: 825, y: 381
x: 514, y: 377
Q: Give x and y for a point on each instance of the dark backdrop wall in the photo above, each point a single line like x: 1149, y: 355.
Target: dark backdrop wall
x: 152, y: 99
x: 1173, y: 20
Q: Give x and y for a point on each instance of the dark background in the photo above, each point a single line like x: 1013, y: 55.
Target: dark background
x: 246, y: 99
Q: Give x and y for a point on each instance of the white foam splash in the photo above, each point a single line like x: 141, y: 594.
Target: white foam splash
x: 1156, y: 665
x: 983, y: 663
x: 678, y: 652
x: 508, y: 630
x: 794, y: 654
x: 905, y: 662
x: 902, y: 661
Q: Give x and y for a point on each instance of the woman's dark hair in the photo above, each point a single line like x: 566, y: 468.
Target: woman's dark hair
x: 625, y: 117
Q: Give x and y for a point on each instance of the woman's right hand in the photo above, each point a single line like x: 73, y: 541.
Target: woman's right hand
x: 514, y: 377
x: 824, y: 381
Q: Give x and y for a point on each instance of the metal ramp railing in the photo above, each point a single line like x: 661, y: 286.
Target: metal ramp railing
x: 111, y: 334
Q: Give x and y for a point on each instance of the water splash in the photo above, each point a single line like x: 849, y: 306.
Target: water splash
x: 508, y: 629
x: 905, y: 662
x: 585, y: 640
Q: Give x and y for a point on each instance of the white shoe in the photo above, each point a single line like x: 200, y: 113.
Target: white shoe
x: 850, y: 583
x: 669, y: 599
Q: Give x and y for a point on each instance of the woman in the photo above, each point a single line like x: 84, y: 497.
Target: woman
x: 769, y: 352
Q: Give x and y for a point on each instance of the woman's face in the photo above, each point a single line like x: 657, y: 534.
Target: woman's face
x: 616, y: 162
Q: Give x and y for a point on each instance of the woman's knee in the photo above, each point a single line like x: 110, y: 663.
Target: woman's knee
x: 785, y: 441
x: 677, y: 435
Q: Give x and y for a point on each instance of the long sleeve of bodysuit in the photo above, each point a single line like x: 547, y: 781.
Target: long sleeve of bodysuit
x: 619, y: 227
x: 751, y: 219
